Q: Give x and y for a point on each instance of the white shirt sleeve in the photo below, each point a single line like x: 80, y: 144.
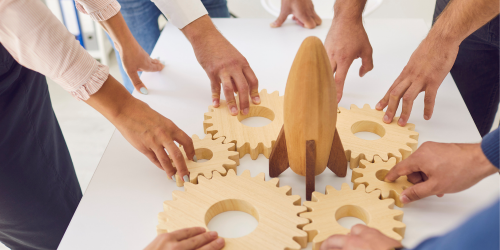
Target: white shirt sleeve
x: 181, y: 12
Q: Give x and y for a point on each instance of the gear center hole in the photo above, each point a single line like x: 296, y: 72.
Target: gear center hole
x: 380, y: 174
x: 232, y: 218
x: 258, y: 116
x: 368, y: 130
x: 349, y: 215
x: 203, y: 154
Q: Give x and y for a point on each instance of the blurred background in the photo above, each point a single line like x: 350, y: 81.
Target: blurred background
x: 87, y: 132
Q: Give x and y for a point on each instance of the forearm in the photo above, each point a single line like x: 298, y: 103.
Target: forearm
x: 111, y: 99
x: 461, y: 18
x: 349, y: 10
x: 199, y: 29
x: 117, y: 29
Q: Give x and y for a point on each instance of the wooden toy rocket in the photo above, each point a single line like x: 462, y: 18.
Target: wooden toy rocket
x: 308, y: 141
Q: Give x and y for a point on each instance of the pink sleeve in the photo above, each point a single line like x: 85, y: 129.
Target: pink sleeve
x: 99, y: 10
x: 39, y: 41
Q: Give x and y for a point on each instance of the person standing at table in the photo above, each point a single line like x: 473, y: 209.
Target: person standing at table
x: 39, y: 191
x: 437, y: 169
x: 220, y: 60
x: 464, y: 40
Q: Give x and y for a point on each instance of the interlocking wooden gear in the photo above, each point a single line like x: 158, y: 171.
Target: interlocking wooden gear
x: 372, y: 176
x: 325, y: 210
x: 254, y: 140
x: 273, y: 207
x: 221, y: 157
x: 395, y: 141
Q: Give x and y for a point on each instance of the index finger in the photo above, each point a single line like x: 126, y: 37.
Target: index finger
x: 405, y: 167
x: 180, y: 164
x: 341, y: 71
x: 334, y: 242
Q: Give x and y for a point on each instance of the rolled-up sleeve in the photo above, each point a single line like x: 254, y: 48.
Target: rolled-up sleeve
x: 99, y: 10
x: 181, y: 12
x: 39, y: 41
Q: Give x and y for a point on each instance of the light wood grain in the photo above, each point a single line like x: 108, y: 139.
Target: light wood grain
x: 310, y: 106
x: 249, y: 140
x: 326, y: 209
x: 272, y: 206
x: 372, y: 176
x: 395, y: 141
x: 221, y: 157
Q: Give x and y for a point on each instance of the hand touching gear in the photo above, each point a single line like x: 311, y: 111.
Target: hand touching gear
x: 302, y: 11
x: 187, y: 239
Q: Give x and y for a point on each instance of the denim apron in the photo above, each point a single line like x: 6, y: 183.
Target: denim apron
x: 39, y: 191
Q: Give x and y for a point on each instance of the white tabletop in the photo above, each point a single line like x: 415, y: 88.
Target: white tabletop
x: 119, y: 209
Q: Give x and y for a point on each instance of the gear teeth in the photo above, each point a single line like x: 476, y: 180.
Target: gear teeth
x: 345, y: 186
x: 176, y: 194
x: 191, y: 207
x: 317, y: 195
x: 285, y: 190
x: 329, y: 189
x: 396, y: 141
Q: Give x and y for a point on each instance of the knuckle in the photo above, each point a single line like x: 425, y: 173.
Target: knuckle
x: 177, y: 154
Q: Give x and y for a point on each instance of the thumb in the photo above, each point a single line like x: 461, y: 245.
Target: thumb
x: 281, y: 19
x: 416, y: 192
x: 366, y: 64
x: 138, y: 85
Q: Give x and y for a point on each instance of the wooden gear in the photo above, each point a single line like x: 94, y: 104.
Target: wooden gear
x: 221, y: 157
x: 395, y: 141
x: 325, y: 210
x: 372, y: 176
x: 273, y: 207
x: 308, y: 141
x: 249, y: 140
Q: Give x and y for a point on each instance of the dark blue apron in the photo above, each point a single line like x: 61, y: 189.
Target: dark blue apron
x: 39, y: 191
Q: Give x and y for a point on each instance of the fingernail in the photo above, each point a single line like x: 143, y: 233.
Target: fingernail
x: 245, y: 111
x: 144, y: 91
x: 173, y: 177
x: 404, y: 199
x: 400, y: 122
x: 195, y: 159
x: 185, y: 178
x: 256, y: 100
x: 234, y: 110
x: 212, y: 234
x: 378, y: 106
x: 386, y: 118
x: 273, y: 24
x: 220, y: 241
x: 214, y: 103
x: 426, y: 117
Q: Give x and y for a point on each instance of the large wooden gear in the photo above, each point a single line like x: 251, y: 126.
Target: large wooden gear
x: 325, y: 210
x: 372, y: 176
x: 395, y: 141
x: 253, y: 140
x: 273, y: 207
x: 220, y: 158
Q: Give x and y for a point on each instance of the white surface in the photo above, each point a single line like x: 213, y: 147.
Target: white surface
x: 119, y: 209
x: 324, y: 8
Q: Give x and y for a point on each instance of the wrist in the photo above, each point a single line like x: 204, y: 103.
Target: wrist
x: 484, y: 164
x: 349, y: 12
x: 200, y: 29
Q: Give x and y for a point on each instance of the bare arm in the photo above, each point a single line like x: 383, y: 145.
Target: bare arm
x: 347, y: 40
x: 133, y: 56
x: 224, y: 64
x: 435, y: 56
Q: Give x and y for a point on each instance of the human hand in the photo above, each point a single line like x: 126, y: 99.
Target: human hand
x: 151, y: 133
x: 223, y: 64
x: 346, y: 41
x: 303, y: 13
x: 361, y: 237
x: 426, y: 70
x: 134, y: 58
x: 441, y: 168
x: 187, y: 239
